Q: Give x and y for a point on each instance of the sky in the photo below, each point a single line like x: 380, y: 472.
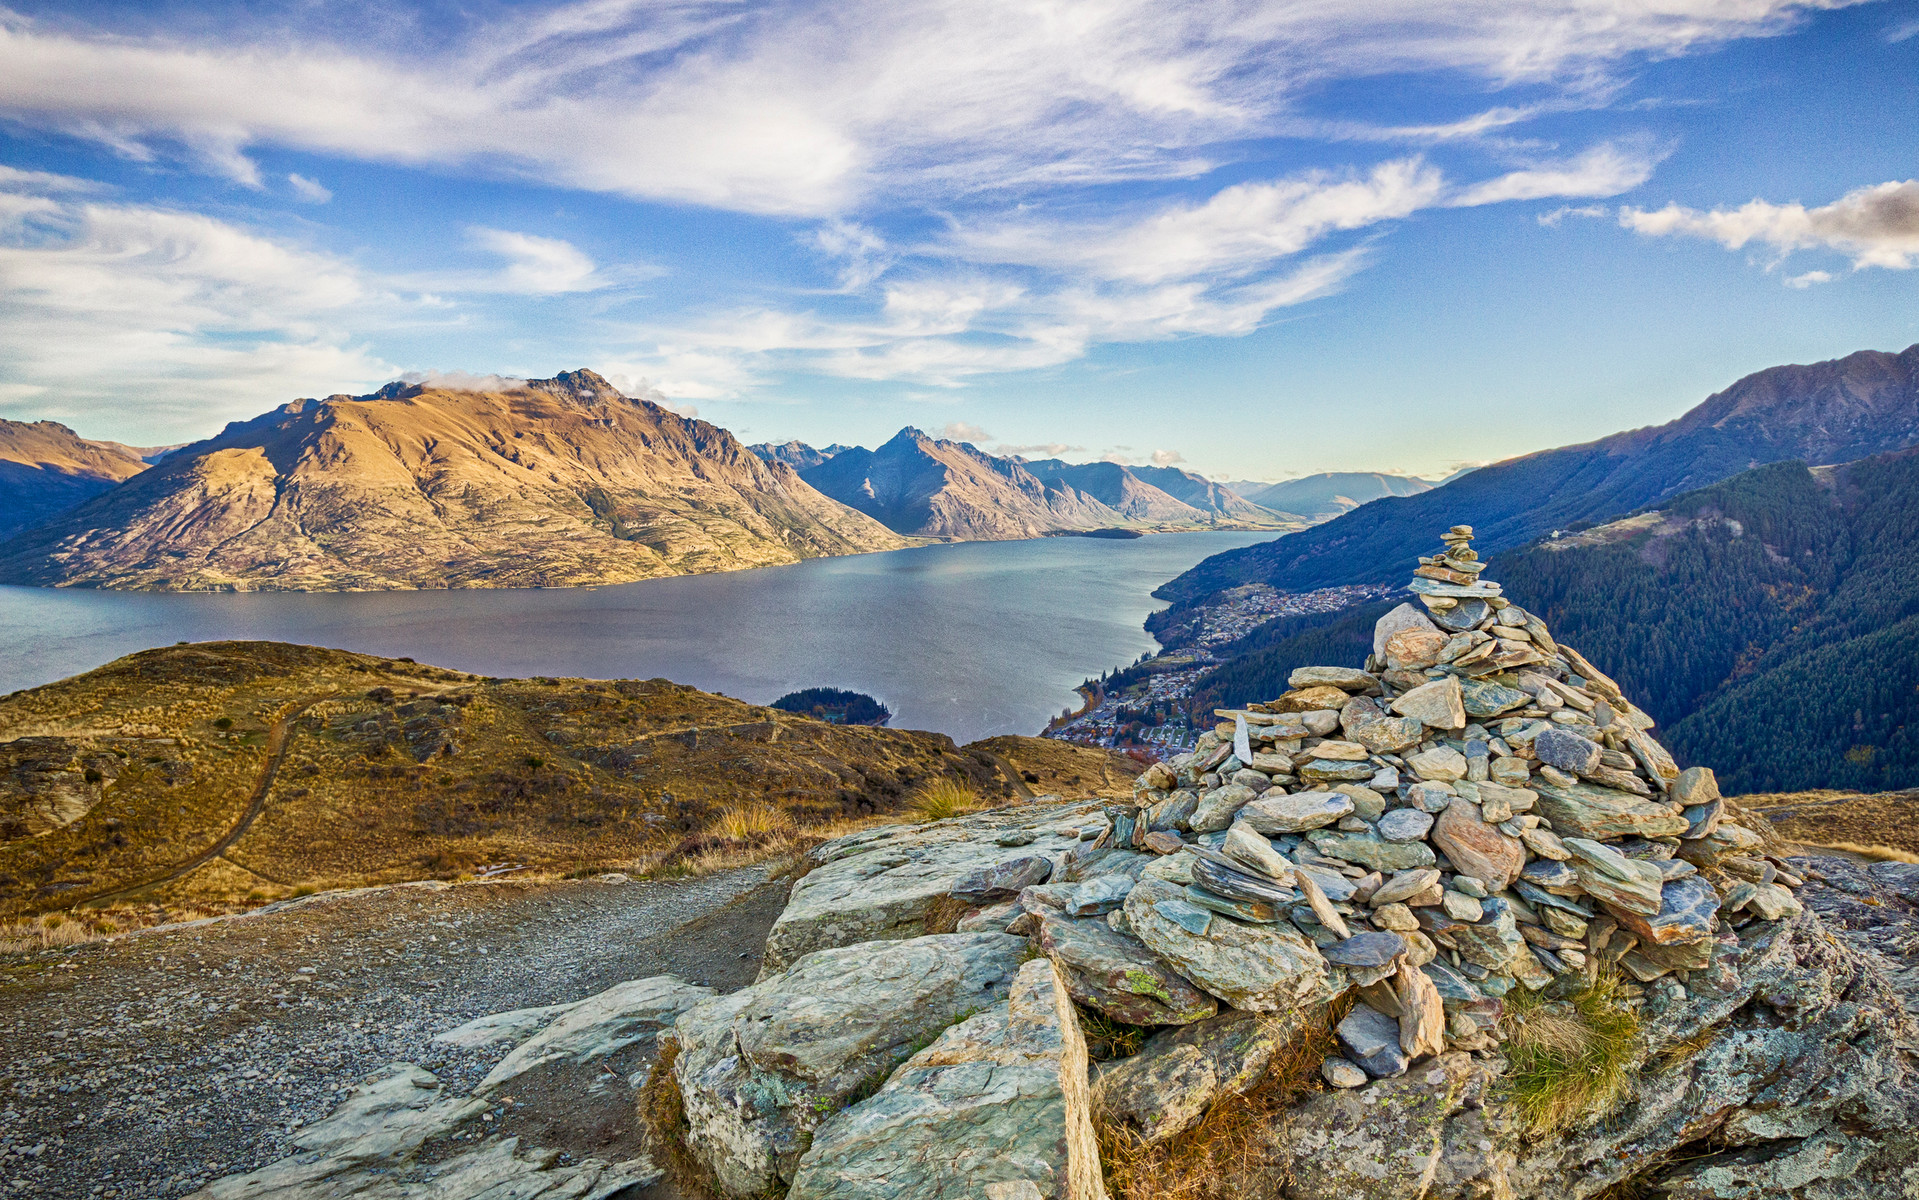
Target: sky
x: 1255, y: 239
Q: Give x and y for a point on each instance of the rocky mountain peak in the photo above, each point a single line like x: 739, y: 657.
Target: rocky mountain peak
x: 583, y: 385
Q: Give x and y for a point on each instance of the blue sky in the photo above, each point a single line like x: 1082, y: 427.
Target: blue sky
x: 1258, y: 239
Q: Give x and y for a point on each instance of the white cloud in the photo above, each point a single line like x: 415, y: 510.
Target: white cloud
x: 806, y: 108
x: 1552, y: 219
x: 960, y: 431
x: 1808, y: 279
x: 1604, y: 170
x: 538, y: 266
x: 1040, y: 450
x: 309, y: 190
x: 1166, y: 458
x: 1875, y: 226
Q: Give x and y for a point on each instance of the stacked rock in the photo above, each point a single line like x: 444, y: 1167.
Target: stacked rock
x: 1479, y: 809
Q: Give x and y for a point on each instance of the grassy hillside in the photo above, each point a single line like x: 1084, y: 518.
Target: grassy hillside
x: 236, y: 772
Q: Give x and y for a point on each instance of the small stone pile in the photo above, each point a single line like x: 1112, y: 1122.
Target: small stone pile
x: 1479, y: 809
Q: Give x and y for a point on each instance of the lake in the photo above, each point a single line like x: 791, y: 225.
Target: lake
x: 971, y: 639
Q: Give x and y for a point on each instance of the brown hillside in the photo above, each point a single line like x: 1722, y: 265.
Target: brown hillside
x: 1879, y: 825
x: 561, y: 482
x: 335, y: 769
x: 46, y: 468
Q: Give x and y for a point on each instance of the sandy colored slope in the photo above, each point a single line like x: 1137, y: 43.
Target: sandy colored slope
x: 46, y: 468
x: 563, y: 482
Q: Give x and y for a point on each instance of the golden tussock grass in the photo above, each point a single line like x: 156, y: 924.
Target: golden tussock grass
x: 1869, y: 850
x: 1569, y: 1060
x: 939, y: 799
x: 662, y: 1113
x: 54, y: 930
x: 1224, y: 1155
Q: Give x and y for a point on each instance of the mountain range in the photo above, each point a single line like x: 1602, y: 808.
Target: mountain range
x: 924, y: 486
x: 1830, y: 412
x: 1326, y: 495
x: 555, y: 482
x: 46, y: 468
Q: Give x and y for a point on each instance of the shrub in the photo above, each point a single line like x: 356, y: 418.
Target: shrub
x: 223, y: 723
x: 1568, y: 1060
x: 942, y: 798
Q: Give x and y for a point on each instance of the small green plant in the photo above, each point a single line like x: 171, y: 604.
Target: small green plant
x: 535, y: 761
x: 223, y: 723
x: 305, y: 889
x: 1108, y: 1039
x: 1569, y: 1060
x: 939, y: 799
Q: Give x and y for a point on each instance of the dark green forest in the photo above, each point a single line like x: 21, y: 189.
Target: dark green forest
x: 836, y: 705
x: 1770, y: 623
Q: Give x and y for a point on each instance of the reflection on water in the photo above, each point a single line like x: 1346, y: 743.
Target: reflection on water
x: 971, y: 640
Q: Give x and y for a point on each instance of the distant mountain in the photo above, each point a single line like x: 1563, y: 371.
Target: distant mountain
x: 561, y: 481
x: 1202, y: 493
x: 1330, y: 493
x: 795, y: 454
x: 1837, y: 411
x: 46, y: 468
x: 930, y: 487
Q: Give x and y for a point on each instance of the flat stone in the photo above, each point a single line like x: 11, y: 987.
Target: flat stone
x: 1246, y: 777
x: 1002, y: 880
x: 1455, y: 990
x: 1566, y: 750
x: 1166, y: 1088
x: 1324, y: 770
x: 1174, y: 813
x: 1164, y: 841
x: 1441, y: 764
x: 1476, y: 848
x: 1430, y: 797
x: 1415, y: 649
x: 1544, y: 843
x: 1256, y: 912
x: 1342, y: 1073
x: 1247, y: 845
x: 1513, y: 772
x: 1218, y: 807
x: 1016, y: 837
x: 882, y: 883
x: 621, y: 1016
x: 1461, y: 907
x: 1615, y: 880
x: 1119, y: 976
x: 1483, y: 698
x: 1583, y: 810
x: 1404, y: 885
x: 1365, y: 950
x: 1366, y: 723
x: 1404, y: 825
x: 758, y: 1069
x: 1344, y: 678
x: 1462, y: 616
x: 1492, y: 942
x: 1324, y: 915
x: 1405, y: 616
x: 1339, y: 751
x: 1688, y: 907
x: 1371, y: 1039
x: 1100, y: 895
x: 994, y: 918
x: 1422, y: 1016
x: 1254, y: 968
x: 1331, y: 884
x: 1295, y: 813
x: 1396, y: 917
x: 1551, y: 873
x: 1370, y: 850
x: 1438, y: 704
x: 999, y: 1106
x: 1309, y: 699
x: 1227, y: 877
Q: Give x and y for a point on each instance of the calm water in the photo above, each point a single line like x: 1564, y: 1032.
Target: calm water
x: 970, y: 640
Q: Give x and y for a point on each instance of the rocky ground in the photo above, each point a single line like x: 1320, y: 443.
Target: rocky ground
x: 151, y: 1065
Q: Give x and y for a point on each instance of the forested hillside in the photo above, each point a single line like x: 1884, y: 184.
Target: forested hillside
x: 1769, y: 622
x: 1829, y: 412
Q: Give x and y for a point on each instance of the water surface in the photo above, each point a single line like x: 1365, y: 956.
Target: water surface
x: 971, y: 639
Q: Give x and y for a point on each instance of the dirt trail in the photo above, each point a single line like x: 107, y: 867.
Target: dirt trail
x: 147, y: 1066
x: 278, y: 736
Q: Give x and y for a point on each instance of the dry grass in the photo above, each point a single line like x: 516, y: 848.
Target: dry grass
x: 1569, y: 1060
x: 943, y: 915
x: 1683, y: 1049
x: 940, y: 799
x: 53, y: 930
x: 1224, y: 1155
x: 663, y: 1114
x: 1870, y: 850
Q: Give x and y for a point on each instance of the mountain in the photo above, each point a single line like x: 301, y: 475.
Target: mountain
x: 795, y: 454
x: 1331, y: 493
x: 1849, y: 408
x: 1203, y: 494
x: 557, y: 482
x: 930, y: 487
x: 46, y: 468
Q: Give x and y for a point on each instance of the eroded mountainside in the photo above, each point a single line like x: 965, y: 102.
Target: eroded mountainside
x: 1330, y: 493
x: 1829, y: 412
x: 931, y: 487
x: 212, y: 771
x: 561, y: 482
x: 46, y: 468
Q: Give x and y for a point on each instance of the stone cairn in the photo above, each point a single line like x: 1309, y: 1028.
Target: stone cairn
x: 1479, y: 809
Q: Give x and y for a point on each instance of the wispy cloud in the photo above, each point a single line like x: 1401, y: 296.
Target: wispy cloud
x: 309, y: 190
x: 1874, y: 226
x: 960, y: 431
x: 538, y: 265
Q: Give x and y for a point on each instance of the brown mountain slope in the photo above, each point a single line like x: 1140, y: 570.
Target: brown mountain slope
x: 561, y: 482
x: 215, y: 772
x: 46, y: 468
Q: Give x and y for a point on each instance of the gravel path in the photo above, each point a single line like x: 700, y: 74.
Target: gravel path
x: 150, y: 1065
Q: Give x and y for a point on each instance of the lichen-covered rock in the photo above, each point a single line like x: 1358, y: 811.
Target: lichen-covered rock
x: 997, y: 1108
x: 880, y: 884
x: 759, y: 1069
x: 1118, y: 975
x: 1255, y: 968
x: 1583, y: 810
x: 599, y: 1025
x: 1167, y: 1087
